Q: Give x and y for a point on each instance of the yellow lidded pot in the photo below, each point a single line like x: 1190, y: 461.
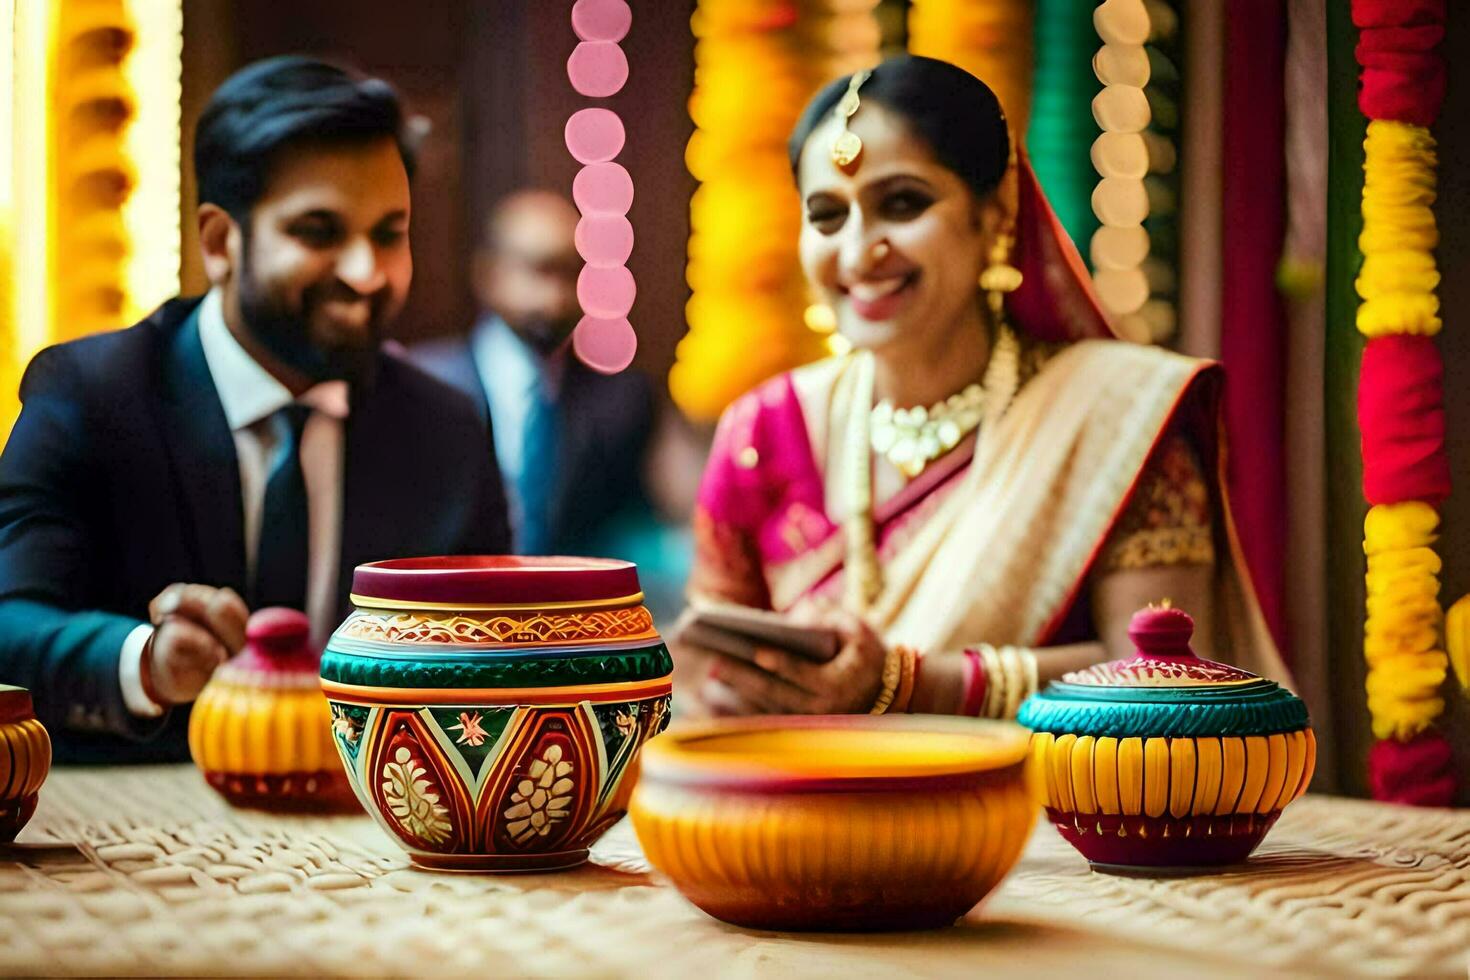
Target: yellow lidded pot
x: 261, y: 730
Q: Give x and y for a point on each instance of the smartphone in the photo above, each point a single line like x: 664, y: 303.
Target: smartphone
x: 737, y: 631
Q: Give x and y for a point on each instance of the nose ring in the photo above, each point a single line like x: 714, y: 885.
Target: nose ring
x: 879, y: 251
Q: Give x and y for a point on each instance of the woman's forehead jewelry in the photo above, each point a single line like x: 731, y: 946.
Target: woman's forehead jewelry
x: 847, y: 148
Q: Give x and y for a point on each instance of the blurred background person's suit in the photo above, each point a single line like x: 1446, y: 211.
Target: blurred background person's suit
x: 586, y: 457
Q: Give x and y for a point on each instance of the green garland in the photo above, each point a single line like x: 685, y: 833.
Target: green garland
x: 1062, y: 128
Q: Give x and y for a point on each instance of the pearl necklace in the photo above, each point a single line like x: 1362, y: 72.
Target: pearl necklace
x: 912, y: 438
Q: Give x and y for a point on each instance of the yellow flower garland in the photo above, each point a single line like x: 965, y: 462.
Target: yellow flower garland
x: 991, y: 40
x: 1399, y: 275
x: 745, y: 311
x: 1406, y: 666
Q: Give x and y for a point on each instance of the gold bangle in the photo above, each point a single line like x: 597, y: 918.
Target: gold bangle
x: 1015, y: 680
x: 1033, y: 680
x: 892, y: 677
x: 995, y: 681
x: 909, y: 671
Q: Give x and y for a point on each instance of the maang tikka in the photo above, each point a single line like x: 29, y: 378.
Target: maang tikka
x: 847, y: 148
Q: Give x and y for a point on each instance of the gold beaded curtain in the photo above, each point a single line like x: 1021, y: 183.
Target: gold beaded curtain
x: 89, y: 236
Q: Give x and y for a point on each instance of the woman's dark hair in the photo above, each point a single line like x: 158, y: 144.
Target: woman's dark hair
x: 950, y: 109
x: 289, y: 101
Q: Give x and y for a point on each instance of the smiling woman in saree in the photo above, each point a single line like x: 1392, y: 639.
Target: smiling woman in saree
x: 980, y: 494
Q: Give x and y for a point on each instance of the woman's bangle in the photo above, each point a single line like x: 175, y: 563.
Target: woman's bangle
x: 1010, y: 677
x: 993, y: 698
x: 973, y: 701
x: 899, y: 670
x: 908, y: 679
x: 892, y: 675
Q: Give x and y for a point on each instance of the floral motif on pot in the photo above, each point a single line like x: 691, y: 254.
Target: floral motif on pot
x: 543, y: 799
x: 412, y: 799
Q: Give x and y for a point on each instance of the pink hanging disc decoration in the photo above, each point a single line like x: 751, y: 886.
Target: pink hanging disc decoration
x: 601, y: 20
x: 606, y: 293
x: 603, y: 188
x: 604, y: 340
x: 594, y: 135
x: 597, y: 69
x: 607, y: 346
x: 604, y: 239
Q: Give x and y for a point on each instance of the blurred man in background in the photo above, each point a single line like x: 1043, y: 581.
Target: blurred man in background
x: 590, y: 465
x: 570, y: 442
x: 242, y: 450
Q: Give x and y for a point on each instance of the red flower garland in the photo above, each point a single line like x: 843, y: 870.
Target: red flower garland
x: 1403, y: 75
x: 1401, y: 415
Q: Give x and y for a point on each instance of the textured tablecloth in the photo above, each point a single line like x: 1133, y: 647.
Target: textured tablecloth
x: 147, y: 871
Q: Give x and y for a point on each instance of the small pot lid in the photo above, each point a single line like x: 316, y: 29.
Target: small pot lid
x: 1164, y: 690
x: 15, y: 704
x: 277, y: 650
x: 495, y: 582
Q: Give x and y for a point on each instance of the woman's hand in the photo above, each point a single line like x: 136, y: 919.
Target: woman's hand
x: 786, y: 683
x: 697, y: 693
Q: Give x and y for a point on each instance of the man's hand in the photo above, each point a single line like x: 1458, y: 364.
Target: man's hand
x: 196, y: 628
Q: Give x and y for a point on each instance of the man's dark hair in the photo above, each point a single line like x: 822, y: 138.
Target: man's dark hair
x: 286, y: 102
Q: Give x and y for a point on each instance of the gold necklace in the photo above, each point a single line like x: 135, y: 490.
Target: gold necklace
x: 912, y: 438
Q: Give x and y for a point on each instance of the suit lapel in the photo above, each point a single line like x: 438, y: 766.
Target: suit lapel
x: 201, y: 452
x: 464, y: 374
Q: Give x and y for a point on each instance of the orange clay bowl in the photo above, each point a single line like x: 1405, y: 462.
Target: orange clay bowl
x: 836, y: 822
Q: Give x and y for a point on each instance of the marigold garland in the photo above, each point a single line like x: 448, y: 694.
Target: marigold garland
x: 991, y: 40
x: 1400, y: 404
x: 756, y: 62
x: 1406, y: 667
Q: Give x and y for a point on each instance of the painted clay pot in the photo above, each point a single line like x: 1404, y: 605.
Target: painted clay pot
x: 490, y: 709
x: 836, y: 823
x: 261, y: 731
x: 1166, y: 761
x: 25, y: 760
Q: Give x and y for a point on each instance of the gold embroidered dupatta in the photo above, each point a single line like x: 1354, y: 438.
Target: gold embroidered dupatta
x: 1005, y: 554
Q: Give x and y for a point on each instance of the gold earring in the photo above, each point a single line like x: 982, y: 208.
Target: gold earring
x: 1000, y: 277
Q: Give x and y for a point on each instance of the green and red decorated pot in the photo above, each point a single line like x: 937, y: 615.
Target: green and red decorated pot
x: 1167, y: 761
x: 489, y: 710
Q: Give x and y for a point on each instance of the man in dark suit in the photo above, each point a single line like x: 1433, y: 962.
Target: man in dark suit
x: 243, y: 450
x: 571, y: 443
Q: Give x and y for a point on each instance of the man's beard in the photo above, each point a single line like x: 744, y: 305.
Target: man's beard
x: 286, y: 332
x: 544, y: 334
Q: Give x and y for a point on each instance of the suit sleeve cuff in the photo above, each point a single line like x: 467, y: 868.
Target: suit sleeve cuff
x: 130, y: 674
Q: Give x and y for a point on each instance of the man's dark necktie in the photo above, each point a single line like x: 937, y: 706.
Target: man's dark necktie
x: 280, y: 565
x: 536, y: 483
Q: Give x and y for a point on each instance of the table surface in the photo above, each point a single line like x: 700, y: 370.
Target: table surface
x: 144, y: 870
